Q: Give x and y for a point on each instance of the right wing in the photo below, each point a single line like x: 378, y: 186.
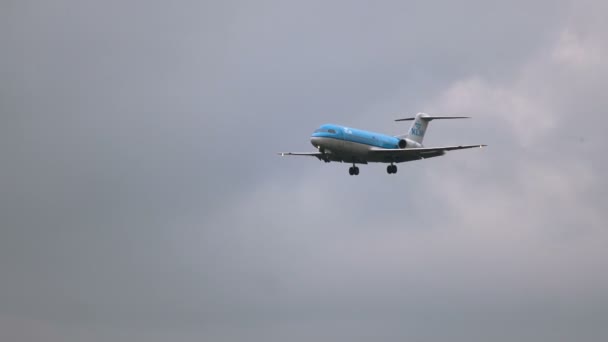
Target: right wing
x: 421, y: 152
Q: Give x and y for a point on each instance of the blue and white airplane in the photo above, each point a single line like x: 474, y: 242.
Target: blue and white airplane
x: 349, y: 145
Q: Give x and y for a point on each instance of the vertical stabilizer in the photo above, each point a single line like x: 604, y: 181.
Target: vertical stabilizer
x: 421, y: 122
x: 418, y: 128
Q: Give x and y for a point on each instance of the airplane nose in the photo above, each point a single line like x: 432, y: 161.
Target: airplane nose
x: 315, y: 141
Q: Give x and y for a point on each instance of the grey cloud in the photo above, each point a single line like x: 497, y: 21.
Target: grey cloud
x: 142, y: 200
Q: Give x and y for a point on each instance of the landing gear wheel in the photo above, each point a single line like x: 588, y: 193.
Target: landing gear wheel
x: 391, y: 169
x: 356, y: 169
x: 353, y: 171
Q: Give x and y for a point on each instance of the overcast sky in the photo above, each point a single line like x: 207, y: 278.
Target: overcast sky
x: 141, y: 198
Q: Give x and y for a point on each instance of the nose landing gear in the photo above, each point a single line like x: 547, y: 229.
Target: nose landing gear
x: 353, y: 170
x: 391, y: 169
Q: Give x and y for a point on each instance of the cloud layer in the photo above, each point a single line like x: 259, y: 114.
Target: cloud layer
x: 141, y: 198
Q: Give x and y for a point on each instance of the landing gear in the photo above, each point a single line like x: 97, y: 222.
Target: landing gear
x: 353, y: 171
x: 391, y: 169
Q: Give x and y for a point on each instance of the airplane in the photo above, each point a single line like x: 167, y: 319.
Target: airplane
x: 349, y: 145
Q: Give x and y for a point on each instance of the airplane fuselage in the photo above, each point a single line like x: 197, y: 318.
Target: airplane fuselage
x: 351, y: 145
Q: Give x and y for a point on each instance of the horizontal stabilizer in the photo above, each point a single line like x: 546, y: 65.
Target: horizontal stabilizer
x: 429, y: 118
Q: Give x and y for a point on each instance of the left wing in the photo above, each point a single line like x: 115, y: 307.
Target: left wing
x: 422, y: 152
x: 319, y: 155
x: 309, y: 154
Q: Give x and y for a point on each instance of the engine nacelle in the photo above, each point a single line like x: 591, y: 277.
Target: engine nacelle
x: 407, y: 143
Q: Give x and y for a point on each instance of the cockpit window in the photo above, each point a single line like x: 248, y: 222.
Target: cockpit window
x: 325, y: 130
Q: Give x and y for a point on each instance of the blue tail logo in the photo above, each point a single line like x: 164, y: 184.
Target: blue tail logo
x: 417, y: 129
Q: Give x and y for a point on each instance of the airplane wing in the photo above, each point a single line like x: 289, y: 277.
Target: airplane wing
x: 320, y: 155
x: 309, y: 154
x: 422, y: 152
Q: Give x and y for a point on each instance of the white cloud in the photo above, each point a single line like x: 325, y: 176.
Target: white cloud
x: 576, y: 51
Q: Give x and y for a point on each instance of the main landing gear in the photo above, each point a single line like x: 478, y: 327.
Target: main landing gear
x: 353, y: 170
x: 391, y: 169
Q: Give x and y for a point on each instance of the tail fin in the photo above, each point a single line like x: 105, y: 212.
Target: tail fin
x: 421, y: 121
